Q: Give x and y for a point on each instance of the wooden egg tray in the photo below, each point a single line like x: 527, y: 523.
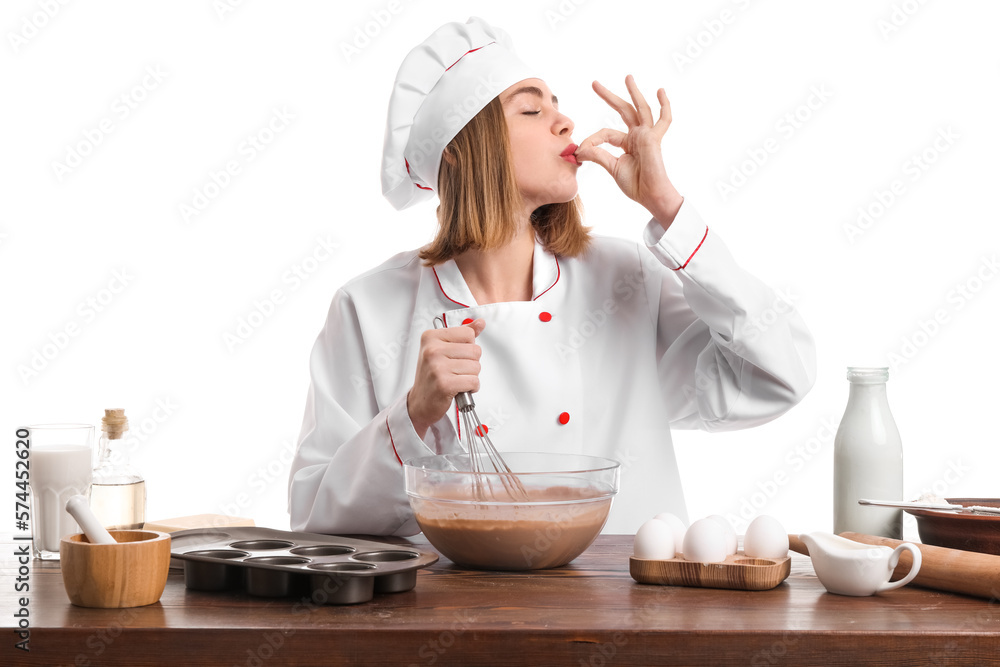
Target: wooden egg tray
x: 737, y: 572
x: 274, y: 563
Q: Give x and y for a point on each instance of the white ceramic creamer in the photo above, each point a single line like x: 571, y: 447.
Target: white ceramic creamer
x: 867, y: 459
x: 846, y: 567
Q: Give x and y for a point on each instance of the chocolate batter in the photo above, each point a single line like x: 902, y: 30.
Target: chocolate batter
x: 496, y: 535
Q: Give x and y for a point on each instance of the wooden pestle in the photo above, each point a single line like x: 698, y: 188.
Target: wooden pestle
x: 942, y: 569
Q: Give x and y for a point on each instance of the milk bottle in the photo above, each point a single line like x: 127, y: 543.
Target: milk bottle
x: 867, y: 458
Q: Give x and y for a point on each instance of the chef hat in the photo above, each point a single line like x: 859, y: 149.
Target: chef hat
x: 440, y: 86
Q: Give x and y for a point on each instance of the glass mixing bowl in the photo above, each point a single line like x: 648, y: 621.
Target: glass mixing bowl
x: 568, y: 497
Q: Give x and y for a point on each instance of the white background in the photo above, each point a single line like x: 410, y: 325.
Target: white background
x: 894, y: 74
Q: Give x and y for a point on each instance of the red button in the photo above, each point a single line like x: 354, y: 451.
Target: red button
x: 482, y: 430
x: 467, y: 320
x: 545, y: 317
x: 564, y: 418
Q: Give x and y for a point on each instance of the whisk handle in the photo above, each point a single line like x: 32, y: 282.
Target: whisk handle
x: 463, y: 400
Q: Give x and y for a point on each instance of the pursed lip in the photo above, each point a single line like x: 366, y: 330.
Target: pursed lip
x: 568, y: 154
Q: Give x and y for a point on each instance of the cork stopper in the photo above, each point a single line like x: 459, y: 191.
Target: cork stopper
x: 114, y: 423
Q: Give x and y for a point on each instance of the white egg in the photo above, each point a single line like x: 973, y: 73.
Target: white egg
x: 705, y: 542
x: 732, y: 542
x: 675, y: 524
x: 654, y: 541
x: 765, y: 538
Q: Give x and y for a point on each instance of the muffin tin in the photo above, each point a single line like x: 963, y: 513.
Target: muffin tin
x: 275, y: 563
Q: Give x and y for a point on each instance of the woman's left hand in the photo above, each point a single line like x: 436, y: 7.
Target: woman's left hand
x: 639, y: 171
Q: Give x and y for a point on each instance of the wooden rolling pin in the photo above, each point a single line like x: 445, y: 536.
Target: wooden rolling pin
x: 942, y: 569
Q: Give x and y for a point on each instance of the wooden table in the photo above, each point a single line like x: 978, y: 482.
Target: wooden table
x: 588, y: 613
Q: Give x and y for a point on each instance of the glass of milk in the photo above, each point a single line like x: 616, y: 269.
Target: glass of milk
x: 60, y: 467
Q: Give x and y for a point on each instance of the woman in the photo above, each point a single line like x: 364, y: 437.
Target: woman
x: 574, y: 343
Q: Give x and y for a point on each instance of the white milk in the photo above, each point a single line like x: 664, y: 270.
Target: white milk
x: 867, y: 459
x: 58, y: 472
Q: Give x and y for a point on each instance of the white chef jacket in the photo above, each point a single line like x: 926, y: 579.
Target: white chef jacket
x: 616, y: 347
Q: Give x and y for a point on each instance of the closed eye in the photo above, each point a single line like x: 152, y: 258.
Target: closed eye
x: 532, y: 113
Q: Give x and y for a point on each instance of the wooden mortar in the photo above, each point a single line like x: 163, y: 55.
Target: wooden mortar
x: 131, y: 573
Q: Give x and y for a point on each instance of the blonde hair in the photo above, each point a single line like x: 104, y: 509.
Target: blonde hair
x: 480, y: 202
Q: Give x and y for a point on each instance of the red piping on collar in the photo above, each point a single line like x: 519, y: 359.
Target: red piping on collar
x: 467, y: 53
x: 558, y: 273
x: 684, y: 265
x: 445, y: 293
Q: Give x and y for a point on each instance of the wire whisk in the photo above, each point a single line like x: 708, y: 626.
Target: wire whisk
x: 484, y: 459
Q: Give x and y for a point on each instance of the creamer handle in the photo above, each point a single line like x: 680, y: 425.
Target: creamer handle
x: 894, y: 560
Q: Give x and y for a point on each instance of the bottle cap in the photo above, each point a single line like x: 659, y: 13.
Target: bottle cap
x: 868, y: 374
x: 114, y: 423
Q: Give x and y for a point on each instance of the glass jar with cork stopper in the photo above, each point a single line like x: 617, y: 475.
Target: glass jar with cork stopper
x: 118, y: 493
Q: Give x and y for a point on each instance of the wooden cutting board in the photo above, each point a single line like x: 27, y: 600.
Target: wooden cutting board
x: 737, y: 572
x: 197, y: 521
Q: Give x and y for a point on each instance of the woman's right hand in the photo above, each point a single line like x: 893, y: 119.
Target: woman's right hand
x: 448, y: 364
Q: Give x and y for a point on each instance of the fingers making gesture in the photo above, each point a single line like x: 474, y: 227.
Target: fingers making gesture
x: 639, y: 171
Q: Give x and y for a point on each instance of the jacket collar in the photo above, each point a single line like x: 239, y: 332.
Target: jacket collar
x: 545, y: 274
